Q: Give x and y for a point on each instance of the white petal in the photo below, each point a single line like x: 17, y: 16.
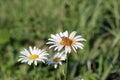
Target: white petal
x: 55, y: 66
x: 24, y: 60
x: 60, y: 47
x: 72, y: 35
x: 67, y: 49
x: 79, y: 46
x: 25, y: 52
x: 66, y: 33
x: 74, y: 49
x: 52, y: 46
x: 53, y: 36
x: 42, y: 60
x: 58, y: 37
x: 51, y: 39
x: 43, y: 57
x: 63, y: 57
x: 50, y: 42
x: 60, y: 63
x: 80, y: 39
x: 35, y: 50
x: 35, y: 62
x: 56, y: 48
x: 30, y: 62
x: 19, y: 59
x: 30, y: 48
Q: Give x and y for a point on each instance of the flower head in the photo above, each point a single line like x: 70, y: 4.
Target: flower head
x: 64, y: 40
x: 57, y: 59
x: 33, y: 55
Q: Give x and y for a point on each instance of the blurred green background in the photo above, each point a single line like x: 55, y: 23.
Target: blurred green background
x: 30, y: 22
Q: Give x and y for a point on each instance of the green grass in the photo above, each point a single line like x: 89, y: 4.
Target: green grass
x: 30, y: 22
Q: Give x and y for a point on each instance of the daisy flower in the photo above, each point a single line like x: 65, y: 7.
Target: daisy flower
x: 33, y: 55
x: 64, y: 40
x: 57, y: 59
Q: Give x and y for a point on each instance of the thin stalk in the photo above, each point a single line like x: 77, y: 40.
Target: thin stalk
x: 35, y: 72
x: 66, y: 72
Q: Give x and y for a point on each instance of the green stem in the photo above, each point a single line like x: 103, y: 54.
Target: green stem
x: 66, y: 72
x: 35, y: 72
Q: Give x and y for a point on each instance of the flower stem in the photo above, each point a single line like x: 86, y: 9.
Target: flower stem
x: 66, y: 72
x: 35, y: 72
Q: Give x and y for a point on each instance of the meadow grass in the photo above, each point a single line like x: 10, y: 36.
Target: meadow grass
x: 30, y: 22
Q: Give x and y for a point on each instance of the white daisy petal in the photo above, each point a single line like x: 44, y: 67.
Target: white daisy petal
x: 55, y: 66
x: 56, y: 59
x: 24, y: 61
x: 74, y: 49
x: 64, y: 41
x: 33, y: 55
x: 61, y: 34
x: 58, y: 36
x: 80, y: 44
x: 52, y: 46
x: 72, y: 35
x: 81, y: 39
x: 25, y: 52
x: 67, y: 49
x: 50, y: 43
x: 35, y: 62
x: 56, y: 48
x: 53, y: 36
x: 30, y: 48
x: 60, y: 63
x: 30, y: 62
x: 66, y: 33
x: 63, y: 58
x: 78, y: 37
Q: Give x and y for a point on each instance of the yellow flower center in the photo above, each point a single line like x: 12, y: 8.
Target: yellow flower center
x: 33, y: 56
x: 67, y: 42
x: 57, y: 59
x: 73, y: 41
